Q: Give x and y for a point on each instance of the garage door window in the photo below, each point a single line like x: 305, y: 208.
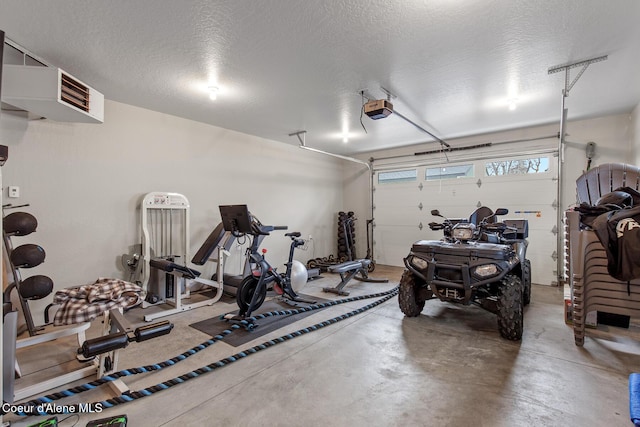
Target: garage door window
x: 398, y: 176
x: 449, y: 172
x: 517, y: 166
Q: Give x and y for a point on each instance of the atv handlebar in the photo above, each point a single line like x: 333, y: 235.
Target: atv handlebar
x: 495, y: 227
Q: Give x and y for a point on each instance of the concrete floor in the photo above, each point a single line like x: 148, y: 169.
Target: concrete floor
x: 447, y: 367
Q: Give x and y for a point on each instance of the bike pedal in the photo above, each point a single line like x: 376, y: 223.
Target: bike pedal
x: 277, y: 289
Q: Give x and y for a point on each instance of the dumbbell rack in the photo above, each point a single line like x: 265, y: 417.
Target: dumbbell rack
x: 345, y: 244
x: 346, y: 236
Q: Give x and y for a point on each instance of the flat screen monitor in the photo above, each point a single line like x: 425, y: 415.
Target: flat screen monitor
x: 236, y: 218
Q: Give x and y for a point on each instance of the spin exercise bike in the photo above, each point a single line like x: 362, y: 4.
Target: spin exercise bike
x: 253, y: 288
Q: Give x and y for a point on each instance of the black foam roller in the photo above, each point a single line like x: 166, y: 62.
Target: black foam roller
x: 104, y: 344
x: 147, y: 332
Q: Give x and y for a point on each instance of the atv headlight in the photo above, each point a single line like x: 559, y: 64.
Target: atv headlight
x: 419, y: 263
x: 485, y: 270
x: 462, y: 232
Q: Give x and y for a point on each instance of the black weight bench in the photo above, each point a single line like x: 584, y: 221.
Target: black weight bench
x: 356, y: 269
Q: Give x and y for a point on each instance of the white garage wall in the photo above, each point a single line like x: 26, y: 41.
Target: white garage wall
x: 85, y: 182
x: 635, y: 132
x: 613, y: 136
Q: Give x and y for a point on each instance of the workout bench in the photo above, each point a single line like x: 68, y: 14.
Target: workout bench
x: 349, y: 270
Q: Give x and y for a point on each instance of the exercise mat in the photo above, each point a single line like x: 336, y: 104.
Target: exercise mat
x: 241, y: 336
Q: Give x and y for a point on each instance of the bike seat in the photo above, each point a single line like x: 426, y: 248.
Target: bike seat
x: 294, y: 234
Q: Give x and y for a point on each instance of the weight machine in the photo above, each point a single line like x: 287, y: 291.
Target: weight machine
x: 100, y: 354
x: 166, y: 278
x: 26, y: 256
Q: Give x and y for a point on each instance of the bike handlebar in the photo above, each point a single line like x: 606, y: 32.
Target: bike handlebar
x: 264, y: 230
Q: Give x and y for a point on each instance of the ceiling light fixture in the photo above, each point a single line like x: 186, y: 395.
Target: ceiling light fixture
x: 213, y: 92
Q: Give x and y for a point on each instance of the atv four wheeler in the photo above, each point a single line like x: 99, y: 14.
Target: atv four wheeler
x: 478, y: 261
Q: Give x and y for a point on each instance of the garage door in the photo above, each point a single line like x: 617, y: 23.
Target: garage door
x: 526, y: 185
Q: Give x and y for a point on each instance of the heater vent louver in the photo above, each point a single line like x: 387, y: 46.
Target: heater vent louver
x: 73, y: 92
x: 51, y: 93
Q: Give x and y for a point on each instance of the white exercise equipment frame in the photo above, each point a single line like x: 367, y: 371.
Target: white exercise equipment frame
x: 13, y: 391
x: 158, y: 236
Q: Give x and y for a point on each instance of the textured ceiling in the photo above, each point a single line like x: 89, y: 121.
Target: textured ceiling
x: 289, y: 65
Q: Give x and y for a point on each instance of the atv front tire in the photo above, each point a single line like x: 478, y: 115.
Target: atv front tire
x: 410, y: 295
x: 526, y: 273
x: 510, y: 308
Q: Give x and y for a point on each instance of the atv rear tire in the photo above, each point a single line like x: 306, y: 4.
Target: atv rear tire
x: 409, y: 295
x: 526, y: 273
x: 510, y: 308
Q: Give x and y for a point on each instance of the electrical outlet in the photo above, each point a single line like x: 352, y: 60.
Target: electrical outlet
x: 14, y: 191
x: 310, y: 238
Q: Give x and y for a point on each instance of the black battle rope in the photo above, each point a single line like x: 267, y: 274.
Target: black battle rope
x: 134, y: 395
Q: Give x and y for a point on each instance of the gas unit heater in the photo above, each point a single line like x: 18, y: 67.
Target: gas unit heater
x: 52, y: 93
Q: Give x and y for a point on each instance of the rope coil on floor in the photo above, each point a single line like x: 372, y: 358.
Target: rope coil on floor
x: 134, y: 395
